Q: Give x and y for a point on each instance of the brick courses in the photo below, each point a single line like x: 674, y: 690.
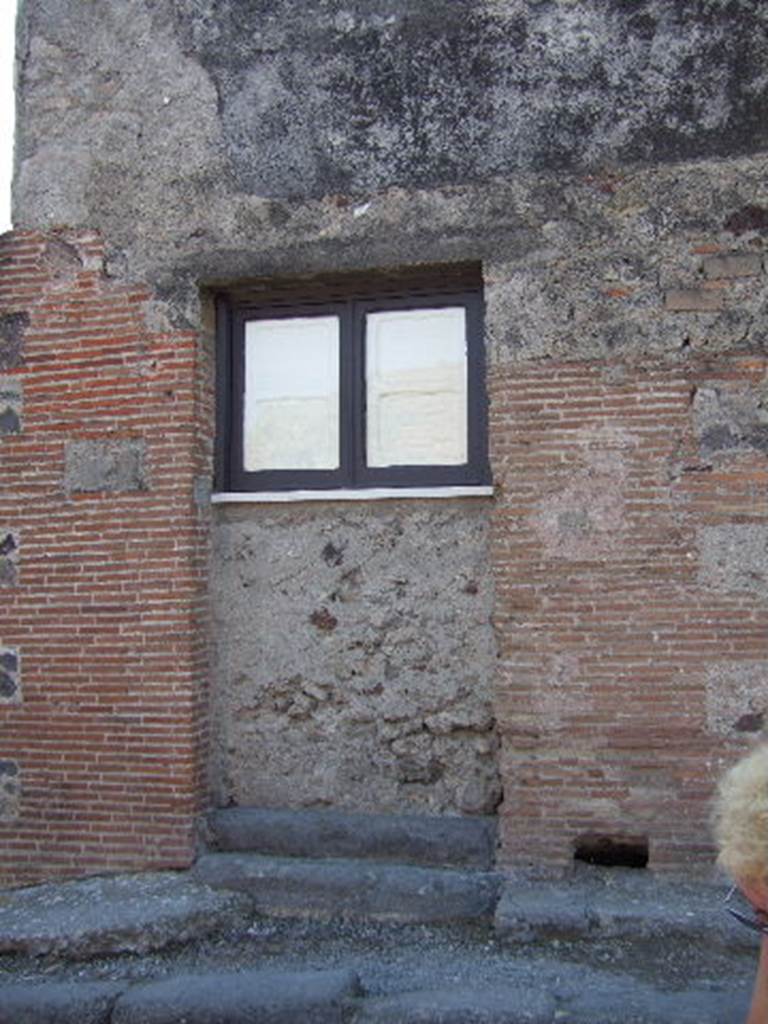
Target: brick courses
x: 618, y: 640
x: 108, y: 603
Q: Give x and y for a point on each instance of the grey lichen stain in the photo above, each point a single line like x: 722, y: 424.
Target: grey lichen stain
x: 438, y: 93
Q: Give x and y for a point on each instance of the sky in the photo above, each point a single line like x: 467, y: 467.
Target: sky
x: 7, y: 16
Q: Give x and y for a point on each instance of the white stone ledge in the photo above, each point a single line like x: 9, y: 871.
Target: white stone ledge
x: 350, y: 494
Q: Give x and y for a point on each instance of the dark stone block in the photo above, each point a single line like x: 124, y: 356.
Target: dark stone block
x: 9, y: 660
x: 9, y: 675
x: 407, y: 838
x: 12, y: 328
x: 10, y: 405
x: 8, y: 686
x: 9, y: 547
x: 359, y: 889
x: 9, y: 422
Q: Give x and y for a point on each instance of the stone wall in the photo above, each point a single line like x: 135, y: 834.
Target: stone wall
x: 606, y: 166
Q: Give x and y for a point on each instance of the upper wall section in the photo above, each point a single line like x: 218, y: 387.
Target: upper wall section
x: 350, y: 96
x: 275, y: 98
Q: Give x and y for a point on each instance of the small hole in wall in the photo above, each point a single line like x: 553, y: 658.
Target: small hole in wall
x: 612, y: 851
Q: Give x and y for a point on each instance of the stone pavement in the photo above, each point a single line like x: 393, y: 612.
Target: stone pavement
x: 596, y: 948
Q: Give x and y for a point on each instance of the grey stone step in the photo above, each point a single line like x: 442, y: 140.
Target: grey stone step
x: 245, y: 997
x: 59, y: 1002
x: 123, y: 913
x: 468, y: 1006
x: 404, y: 838
x: 580, y: 996
x: 620, y: 903
x: 353, y: 888
x: 621, y: 1001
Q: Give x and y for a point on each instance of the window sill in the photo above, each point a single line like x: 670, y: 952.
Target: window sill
x: 350, y: 494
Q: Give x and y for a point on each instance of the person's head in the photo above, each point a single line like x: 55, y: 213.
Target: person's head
x: 741, y: 818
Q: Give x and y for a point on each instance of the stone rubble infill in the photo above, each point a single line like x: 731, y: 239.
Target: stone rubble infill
x: 124, y: 913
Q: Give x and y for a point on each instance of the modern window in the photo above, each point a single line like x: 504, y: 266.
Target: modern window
x: 355, y: 392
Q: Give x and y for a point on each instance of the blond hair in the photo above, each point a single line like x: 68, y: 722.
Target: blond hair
x: 741, y: 818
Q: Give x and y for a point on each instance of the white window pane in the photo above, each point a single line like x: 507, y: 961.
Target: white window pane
x: 416, y: 370
x: 291, y: 402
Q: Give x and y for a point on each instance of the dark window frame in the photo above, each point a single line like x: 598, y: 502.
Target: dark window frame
x: 232, y: 314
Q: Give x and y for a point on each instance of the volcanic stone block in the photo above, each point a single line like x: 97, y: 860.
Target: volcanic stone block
x: 110, y: 465
x: 10, y: 676
x: 59, y: 1002
x: 12, y: 328
x: 11, y: 401
x: 246, y: 997
x: 10, y: 790
x: 118, y: 914
x: 9, y: 556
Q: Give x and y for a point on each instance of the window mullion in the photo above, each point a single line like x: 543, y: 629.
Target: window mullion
x: 350, y: 398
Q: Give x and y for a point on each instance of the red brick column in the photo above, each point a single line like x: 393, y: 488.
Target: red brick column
x: 104, y: 430
x: 631, y: 600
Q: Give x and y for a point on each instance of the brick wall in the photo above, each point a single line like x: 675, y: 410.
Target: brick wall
x: 631, y: 563
x: 104, y: 430
x: 630, y: 555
